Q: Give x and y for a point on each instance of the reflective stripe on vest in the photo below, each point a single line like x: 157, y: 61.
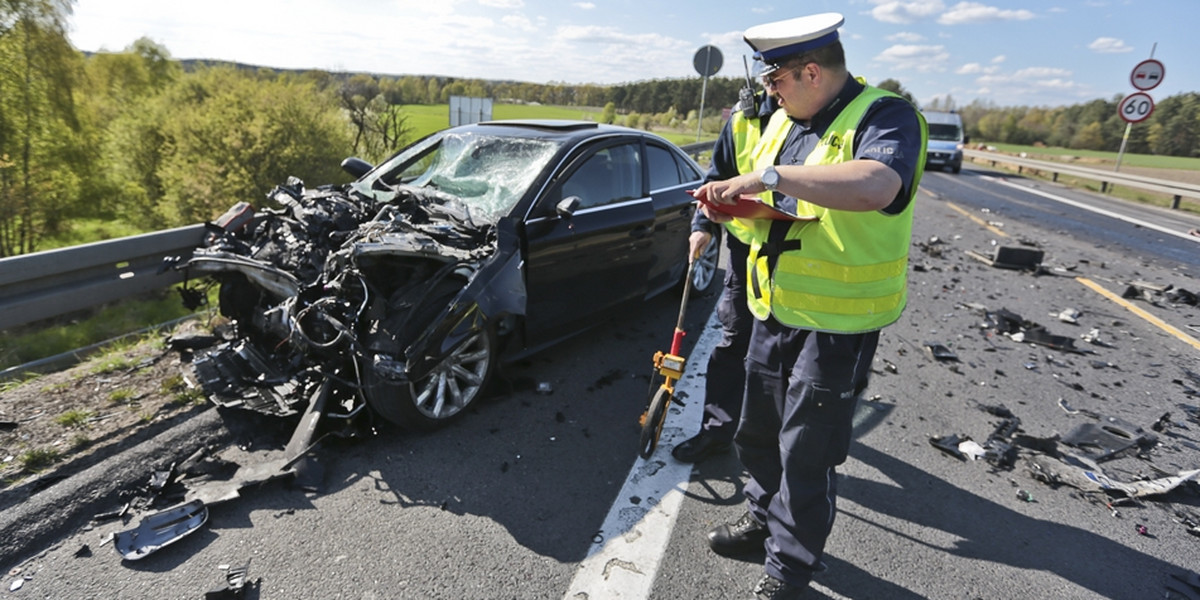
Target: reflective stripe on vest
x: 817, y: 275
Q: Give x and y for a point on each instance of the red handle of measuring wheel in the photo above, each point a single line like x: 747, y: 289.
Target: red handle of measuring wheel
x: 677, y: 342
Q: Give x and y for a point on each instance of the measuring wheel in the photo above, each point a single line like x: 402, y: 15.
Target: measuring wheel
x: 652, y: 426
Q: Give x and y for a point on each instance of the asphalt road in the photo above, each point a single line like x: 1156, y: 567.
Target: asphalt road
x: 540, y: 495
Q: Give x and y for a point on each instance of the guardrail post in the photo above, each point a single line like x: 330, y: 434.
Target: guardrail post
x: 1175, y: 202
x: 1054, y: 178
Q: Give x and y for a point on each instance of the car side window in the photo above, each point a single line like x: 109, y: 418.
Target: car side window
x: 612, y: 174
x: 664, y: 171
x: 668, y: 169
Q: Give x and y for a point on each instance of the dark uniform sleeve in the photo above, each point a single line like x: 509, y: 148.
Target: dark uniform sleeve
x: 892, y: 135
x: 723, y: 166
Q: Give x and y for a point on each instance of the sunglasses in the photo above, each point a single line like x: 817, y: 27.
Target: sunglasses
x: 771, y: 83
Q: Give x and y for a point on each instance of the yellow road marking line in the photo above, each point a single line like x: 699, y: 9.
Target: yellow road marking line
x: 1141, y: 313
x: 1153, y: 320
x: 977, y: 220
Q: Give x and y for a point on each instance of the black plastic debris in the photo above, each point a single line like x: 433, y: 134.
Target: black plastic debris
x: 8, y: 425
x: 939, y: 352
x: 949, y: 444
x: 112, y: 514
x: 1042, y: 337
x: 1143, y: 290
x: 999, y: 448
x: 933, y: 247
x: 1162, y: 423
x: 1011, y: 257
x: 234, y: 586
x: 191, y: 341
x: 1108, y: 439
x: 1005, y: 321
x: 1180, y: 296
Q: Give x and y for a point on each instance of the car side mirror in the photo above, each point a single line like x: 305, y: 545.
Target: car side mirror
x: 567, y: 206
x: 356, y: 166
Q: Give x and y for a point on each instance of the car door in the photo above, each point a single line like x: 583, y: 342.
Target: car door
x: 670, y: 176
x: 583, y: 265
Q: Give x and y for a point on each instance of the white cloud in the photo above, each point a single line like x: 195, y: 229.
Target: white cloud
x: 520, y: 22
x: 510, y: 4
x: 905, y: 36
x: 1041, y: 72
x: 999, y: 59
x: 1030, y: 82
x: 585, y: 5
x: 976, y: 69
x: 1108, y: 45
x: 974, y: 12
x: 914, y: 57
x: 898, y: 11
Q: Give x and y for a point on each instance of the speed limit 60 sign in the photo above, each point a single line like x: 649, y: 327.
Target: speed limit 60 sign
x: 1136, y: 107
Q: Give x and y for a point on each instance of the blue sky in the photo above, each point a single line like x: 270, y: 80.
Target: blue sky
x: 1006, y: 52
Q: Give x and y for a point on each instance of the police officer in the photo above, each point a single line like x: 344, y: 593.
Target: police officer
x: 850, y: 156
x: 726, y: 373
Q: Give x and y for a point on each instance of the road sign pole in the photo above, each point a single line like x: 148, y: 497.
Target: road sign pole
x: 708, y: 61
x: 1124, y: 139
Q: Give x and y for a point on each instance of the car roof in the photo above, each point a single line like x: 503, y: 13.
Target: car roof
x: 552, y: 129
x: 942, y: 117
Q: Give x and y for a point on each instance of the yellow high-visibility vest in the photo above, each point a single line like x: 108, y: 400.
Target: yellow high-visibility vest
x: 846, y: 272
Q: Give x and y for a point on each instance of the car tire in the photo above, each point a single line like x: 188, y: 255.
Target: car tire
x: 705, y: 270
x: 452, y: 386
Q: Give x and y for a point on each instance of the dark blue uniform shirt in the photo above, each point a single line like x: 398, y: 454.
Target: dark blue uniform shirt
x: 889, y: 133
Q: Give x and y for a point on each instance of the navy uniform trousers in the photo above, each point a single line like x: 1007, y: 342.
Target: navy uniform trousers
x: 726, y: 384
x: 796, y: 424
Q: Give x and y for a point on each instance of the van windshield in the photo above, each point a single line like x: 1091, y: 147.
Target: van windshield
x: 944, y: 133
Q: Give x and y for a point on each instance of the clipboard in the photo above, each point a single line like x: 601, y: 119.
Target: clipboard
x: 750, y: 206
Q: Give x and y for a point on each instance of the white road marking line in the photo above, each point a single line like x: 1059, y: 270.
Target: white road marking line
x: 625, y: 555
x: 1101, y: 211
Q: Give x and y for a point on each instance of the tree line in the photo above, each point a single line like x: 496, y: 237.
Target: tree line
x: 141, y: 139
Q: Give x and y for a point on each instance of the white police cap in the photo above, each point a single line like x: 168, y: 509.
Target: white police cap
x: 773, y: 42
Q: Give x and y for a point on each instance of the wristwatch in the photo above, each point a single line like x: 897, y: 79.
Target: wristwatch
x: 769, y: 178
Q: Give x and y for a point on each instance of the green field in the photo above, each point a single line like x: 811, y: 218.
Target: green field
x: 423, y: 119
x: 1096, y: 157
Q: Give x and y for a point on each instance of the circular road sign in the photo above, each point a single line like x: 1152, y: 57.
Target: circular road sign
x: 1147, y: 74
x: 1136, y: 107
x: 707, y: 61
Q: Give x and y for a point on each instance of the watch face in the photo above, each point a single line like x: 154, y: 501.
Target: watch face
x: 770, y: 178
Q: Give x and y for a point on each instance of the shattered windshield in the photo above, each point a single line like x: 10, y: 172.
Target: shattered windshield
x: 488, y: 173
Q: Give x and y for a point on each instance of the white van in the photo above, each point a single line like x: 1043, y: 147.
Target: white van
x: 946, y: 140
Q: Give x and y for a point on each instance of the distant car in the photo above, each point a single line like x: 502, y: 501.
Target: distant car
x: 476, y: 245
x: 946, y: 140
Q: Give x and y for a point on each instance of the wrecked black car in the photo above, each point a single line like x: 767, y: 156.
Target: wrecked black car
x: 402, y: 291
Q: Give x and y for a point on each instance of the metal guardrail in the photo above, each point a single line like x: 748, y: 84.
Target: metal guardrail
x: 698, y: 148
x: 56, y: 282
x: 1177, y: 190
x: 48, y: 284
